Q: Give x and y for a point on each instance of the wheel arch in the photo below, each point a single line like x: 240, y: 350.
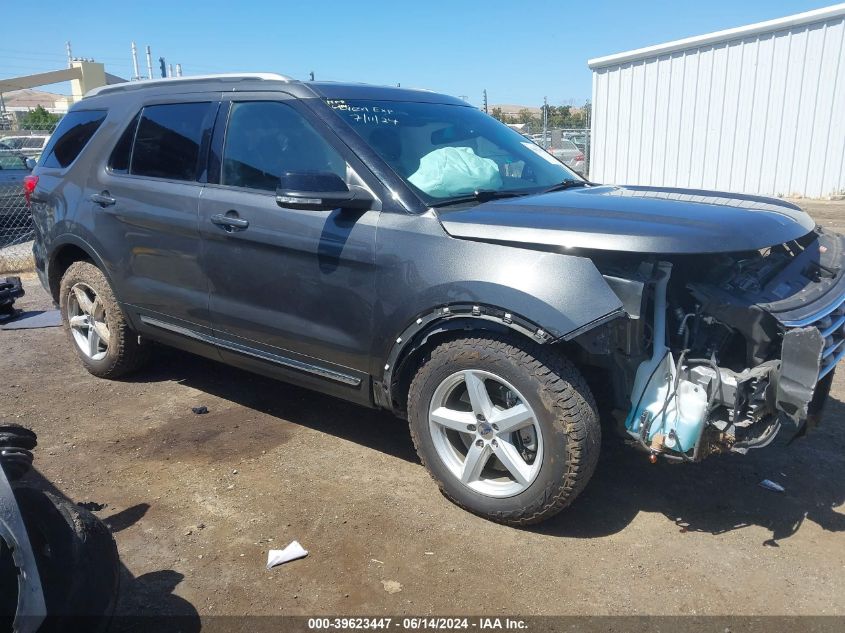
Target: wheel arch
x: 439, y: 324
x: 68, y: 250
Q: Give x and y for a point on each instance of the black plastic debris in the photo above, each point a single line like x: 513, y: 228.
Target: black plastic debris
x: 199, y: 410
x: 10, y: 289
x: 91, y: 506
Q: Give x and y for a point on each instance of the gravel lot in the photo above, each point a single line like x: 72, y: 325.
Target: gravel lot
x: 195, y: 502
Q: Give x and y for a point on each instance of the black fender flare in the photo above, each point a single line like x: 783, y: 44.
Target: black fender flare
x: 69, y: 239
x: 458, y: 317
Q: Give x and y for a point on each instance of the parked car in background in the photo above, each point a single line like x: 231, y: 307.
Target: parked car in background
x: 569, y: 154
x: 403, y: 250
x: 580, y: 141
x: 31, y: 146
x: 15, y: 216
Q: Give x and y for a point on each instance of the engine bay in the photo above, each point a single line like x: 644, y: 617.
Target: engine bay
x: 718, y: 352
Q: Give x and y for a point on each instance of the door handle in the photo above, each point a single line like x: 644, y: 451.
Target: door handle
x: 230, y: 222
x: 103, y: 199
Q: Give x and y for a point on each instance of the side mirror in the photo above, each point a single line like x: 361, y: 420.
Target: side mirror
x: 30, y: 163
x: 320, y: 191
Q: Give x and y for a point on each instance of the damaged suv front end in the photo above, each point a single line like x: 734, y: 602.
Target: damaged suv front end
x: 720, y: 351
x: 733, y: 315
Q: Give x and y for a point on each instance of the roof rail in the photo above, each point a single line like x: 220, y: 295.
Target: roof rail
x: 137, y: 85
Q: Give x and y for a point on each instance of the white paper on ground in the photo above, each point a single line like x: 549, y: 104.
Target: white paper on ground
x: 291, y: 552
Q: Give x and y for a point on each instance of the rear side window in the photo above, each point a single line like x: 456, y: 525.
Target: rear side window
x: 71, y: 136
x: 122, y: 153
x: 167, y: 141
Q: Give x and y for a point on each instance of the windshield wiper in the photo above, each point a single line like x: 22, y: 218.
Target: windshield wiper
x: 566, y: 184
x: 483, y: 195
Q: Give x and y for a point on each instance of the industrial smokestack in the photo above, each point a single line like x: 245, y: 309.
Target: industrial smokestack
x: 135, y: 75
x: 178, y: 70
x: 149, y: 63
x: 170, y: 70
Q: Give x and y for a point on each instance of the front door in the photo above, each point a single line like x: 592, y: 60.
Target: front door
x: 291, y: 291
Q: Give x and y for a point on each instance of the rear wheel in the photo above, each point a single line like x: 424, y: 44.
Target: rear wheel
x: 96, y: 325
x: 508, y: 429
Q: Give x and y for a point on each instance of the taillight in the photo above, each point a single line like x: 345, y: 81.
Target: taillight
x: 29, y: 183
x: 579, y: 158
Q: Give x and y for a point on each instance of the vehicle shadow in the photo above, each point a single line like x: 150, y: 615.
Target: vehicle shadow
x: 716, y: 496
x: 146, y: 602
x: 721, y: 494
x: 375, y: 429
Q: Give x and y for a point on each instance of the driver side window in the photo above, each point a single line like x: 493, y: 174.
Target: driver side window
x: 266, y: 139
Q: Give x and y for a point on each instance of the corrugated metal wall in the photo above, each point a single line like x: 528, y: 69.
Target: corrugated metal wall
x: 758, y: 114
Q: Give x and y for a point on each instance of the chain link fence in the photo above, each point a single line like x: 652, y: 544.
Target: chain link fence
x: 570, y: 145
x: 19, y: 148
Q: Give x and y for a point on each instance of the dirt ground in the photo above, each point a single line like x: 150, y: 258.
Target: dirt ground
x: 195, y: 502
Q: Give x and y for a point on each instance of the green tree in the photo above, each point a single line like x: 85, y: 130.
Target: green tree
x: 496, y: 113
x: 39, y: 119
x: 525, y: 116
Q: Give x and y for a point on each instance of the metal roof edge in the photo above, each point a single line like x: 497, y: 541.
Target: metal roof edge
x: 778, y: 24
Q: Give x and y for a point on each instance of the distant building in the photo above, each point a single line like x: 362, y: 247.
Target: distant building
x: 511, y: 110
x: 757, y: 109
x: 29, y: 99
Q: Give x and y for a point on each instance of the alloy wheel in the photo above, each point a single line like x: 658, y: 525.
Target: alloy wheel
x: 486, y: 433
x: 86, y: 316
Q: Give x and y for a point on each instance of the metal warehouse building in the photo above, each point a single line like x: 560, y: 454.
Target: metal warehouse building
x: 756, y: 109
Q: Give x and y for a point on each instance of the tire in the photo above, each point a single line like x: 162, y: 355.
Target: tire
x: 532, y: 384
x: 121, y: 353
x: 77, y: 560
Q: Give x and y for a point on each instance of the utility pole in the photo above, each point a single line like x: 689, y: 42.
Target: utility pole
x: 149, y: 63
x: 135, y: 75
x: 484, y: 95
x: 69, y: 55
x: 545, y: 122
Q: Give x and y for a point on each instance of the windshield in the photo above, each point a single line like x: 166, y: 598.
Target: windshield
x: 9, y: 160
x: 451, y: 151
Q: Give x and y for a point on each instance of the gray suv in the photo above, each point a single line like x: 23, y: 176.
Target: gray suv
x: 403, y: 250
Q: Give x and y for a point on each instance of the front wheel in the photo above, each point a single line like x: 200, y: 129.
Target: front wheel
x: 508, y: 429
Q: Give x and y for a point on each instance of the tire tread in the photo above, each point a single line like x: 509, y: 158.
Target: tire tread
x: 570, y: 400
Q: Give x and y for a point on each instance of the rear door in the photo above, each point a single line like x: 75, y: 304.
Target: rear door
x: 143, y: 209
x: 292, y: 291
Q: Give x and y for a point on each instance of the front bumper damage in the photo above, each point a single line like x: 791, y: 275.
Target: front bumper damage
x: 800, y: 371
x: 794, y: 331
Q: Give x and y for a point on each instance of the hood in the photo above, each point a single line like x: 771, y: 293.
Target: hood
x: 633, y: 219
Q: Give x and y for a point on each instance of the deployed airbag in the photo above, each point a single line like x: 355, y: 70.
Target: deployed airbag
x: 452, y: 171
